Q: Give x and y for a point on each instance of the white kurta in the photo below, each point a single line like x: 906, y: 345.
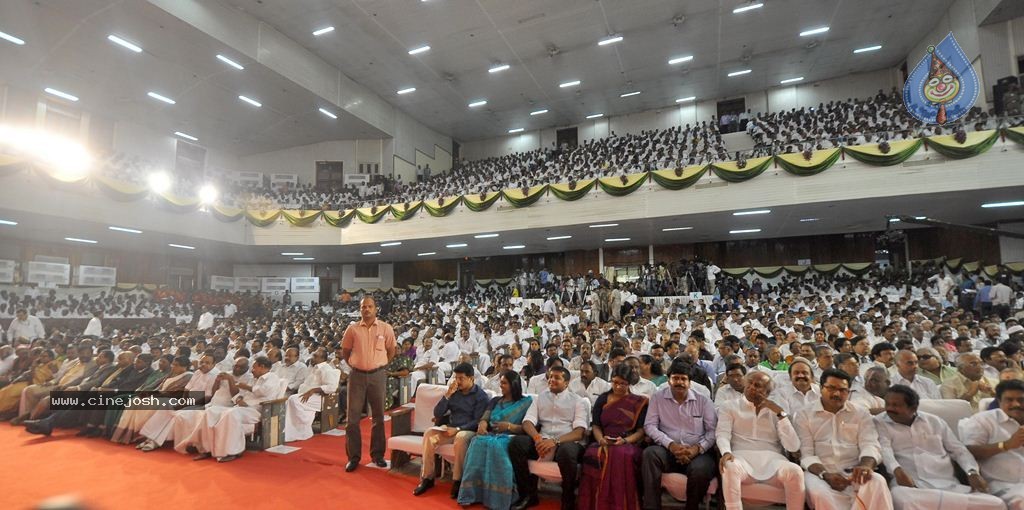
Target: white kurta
x: 205, y: 321
x: 228, y: 435
x: 299, y: 415
x: 94, y: 328
x: 1004, y: 471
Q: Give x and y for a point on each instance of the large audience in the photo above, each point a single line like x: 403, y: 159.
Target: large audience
x: 816, y: 385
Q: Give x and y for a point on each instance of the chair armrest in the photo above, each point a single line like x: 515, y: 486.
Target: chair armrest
x: 401, y: 422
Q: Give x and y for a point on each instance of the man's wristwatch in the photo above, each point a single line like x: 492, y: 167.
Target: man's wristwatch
x: 972, y: 472
x: 783, y: 415
x: 1001, y: 446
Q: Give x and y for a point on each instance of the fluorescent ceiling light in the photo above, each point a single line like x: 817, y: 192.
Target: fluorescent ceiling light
x: 406, y: 91
x: 303, y: 258
x: 920, y: 217
x: 616, y: 239
x: 182, y: 246
x: 371, y: 253
x: 158, y: 97
x: 79, y: 240
x: 421, y: 49
x: 894, y: 220
x: 230, y: 62
x: 123, y: 229
x: 748, y: 213
x: 253, y: 102
x: 498, y: 69
x: 738, y: 73
x: 117, y: 40
x: 485, y: 236
x: 293, y: 253
x: 807, y: 220
x: 569, y: 84
x: 604, y: 225
x: 686, y: 99
x: 673, y: 229
x: 1002, y: 204
x: 748, y: 7
x: 323, y: 31
x: 456, y: 245
x: 328, y: 113
x: 745, y: 231
x: 596, y: 115
x: 8, y: 222
x: 424, y: 254
x: 609, y: 40
x: 514, y: 247
x: 481, y: 102
x: 628, y: 94
x: 186, y: 136
x: 516, y: 130
x: 10, y: 38
x: 559, y: 238
x: 539, y: 112
x: 792, y: 80
x: 60, y: 94
x: 814, y: 31
x: 393, y: 243
x: 680, y: 60
x: 869, y: 48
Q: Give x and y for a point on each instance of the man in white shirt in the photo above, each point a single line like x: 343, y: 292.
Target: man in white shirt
x: 205, y: 320
x: 291, y: 369
x: 801, y: 391
x: 424, y: 365
x: 229, y: 310
x: 588, y: 385
x: 641, y: 386
x: 188, y: 424
x: 302, y: 407
x: 907, y: 375
x: 996, y: 439
x: 25, y: 326
x: 505, y: 364
x: 95, y: 326
x: 735, y: 380
x: 919, y: 450
x: 226, y: 439
x: 159, y: 427
x: 839, y: 449
x: 752, y: 435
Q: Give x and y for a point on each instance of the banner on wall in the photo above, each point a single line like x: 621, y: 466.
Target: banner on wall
x: 222, y: 283
x: 48, y: 274
x: 97, y: 276
x: 7, y: 268
x: 275, y: 285
x: 248, y: 284
x: 305, y: 284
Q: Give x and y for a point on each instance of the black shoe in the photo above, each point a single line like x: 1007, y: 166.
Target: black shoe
x: 84, y: 432
x: 229, y: 458
x: 43, y: 427
x: 525, y: 502
x: 456, y: 485
x: 191, y: 450
x: 95, y: 432
x: 381, y: 463
x: 352, y: 465
x: 425, y: 485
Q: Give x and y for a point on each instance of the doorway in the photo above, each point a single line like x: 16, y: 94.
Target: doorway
x: 729, y: 115
x: 567, y: 138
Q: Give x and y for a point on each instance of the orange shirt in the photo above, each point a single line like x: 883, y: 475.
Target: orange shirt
x: 369, y: 344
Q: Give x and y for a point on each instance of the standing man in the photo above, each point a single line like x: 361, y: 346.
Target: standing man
x: 95, y: 326
x: 368, y: 346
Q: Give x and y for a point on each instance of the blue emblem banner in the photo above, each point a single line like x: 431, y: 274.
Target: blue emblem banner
x: 943, y: 86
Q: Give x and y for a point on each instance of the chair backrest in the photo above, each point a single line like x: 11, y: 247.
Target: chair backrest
x: 950, y: 410
x: 984, y: 403
x: 427, y: 396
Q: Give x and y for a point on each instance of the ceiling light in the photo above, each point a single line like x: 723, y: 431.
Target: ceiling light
x: 485, y: 236
x: 869, y: 48
x: 791, y: 80
x: 79, y: 240
x: 456, y: 245
x: 539, y: 112
x: 628, y: 94
x: 323, y: 31
x: 8, y: 222
x: 123, y: 229
x: 230, y: 62
x: 393, y: 243
x: 293, y: 253
x: 10, y: 38
x: 686, y: 99
x: 894, y: 220
x: 516, y: 130
x: 616, y: 239
x: 498, y: 69
x: 424, y: 254
x: 596, y: 115
x: 748, y: 213
x: 406, y: 91
x: 814, y: 31
x: 745, y: 231
x: 673, y: 229
x: 680, y: 60
x: 1002, y: 204
x: 604, y: 225
x: 558, y: 238
x: 609, y: 40
x: 159, y: 182
x: 738, y: 73
x: 920, y: 217
x: 807, y: 220
x: 371, y: 253
x: 62, y: 95
x: 421, y: 49
x: 186, y: 136
x: 481, y: 102
x: 182, y: 246
x: 303, y: 258
x: 514, y: 247
x: 748, y: 7
x: 208, y: 194
x: 158, y: 97
x: 117, y: 40
x: 328, y: 113
x: 253, y: 102
x: 569, y: 84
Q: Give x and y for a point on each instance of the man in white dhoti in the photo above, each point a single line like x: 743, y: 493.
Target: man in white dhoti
x: 839, y: 449
x: 303, y: 406
x: 187, y: 425
x: 919, y: 450
x: 753, y: 433
x: 158, y: 428
x: 226, y: 439
x: 996, y: 439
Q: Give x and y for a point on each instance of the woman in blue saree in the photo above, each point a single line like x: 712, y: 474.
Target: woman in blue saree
x: 487, y: 475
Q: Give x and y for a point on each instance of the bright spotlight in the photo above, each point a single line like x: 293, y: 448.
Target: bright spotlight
x: 159, y: 182
x: 208, y: 194
x: 66, y: 159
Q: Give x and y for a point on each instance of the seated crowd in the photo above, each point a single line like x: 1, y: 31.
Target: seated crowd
x: 811, y: 385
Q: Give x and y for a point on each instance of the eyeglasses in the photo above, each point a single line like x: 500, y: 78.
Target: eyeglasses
x: 835, y: 389
x: 925, y: 356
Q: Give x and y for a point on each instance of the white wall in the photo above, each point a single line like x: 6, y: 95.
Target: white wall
x: 857, y: 86
x: 302, y: 160
x: 1010, y: 249
x: 278, y: 270
x: 385, y: 280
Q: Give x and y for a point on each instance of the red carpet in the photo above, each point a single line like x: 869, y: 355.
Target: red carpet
x: 104, y: 475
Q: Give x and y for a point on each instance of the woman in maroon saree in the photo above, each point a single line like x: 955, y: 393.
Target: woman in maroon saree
x: 611, y: 465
